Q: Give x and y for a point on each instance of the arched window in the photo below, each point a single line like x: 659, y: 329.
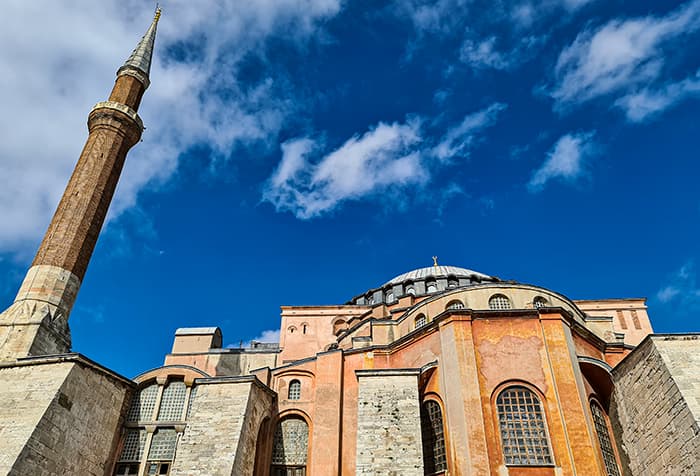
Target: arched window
x: 523, y: 427
x: 370, y: 299
x: 456, y: 304
x: 420, y: 321
x: 606, y: 447
x: 452, y: 282
x: 291, y: 329
x: 433, y: 433
x: 143, y: 404
x: 294, y: 392
x: 431, y: 286
x: 166, y: 415
x: 172, y: 403
x: 411, y: 290
x: 290, y: 447
x: 389, y: 297
x: 499, y: 302
x: 539, y: 302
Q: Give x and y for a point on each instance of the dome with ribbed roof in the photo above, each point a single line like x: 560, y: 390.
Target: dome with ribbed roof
x: 421, y: 282
x: 436, y: 271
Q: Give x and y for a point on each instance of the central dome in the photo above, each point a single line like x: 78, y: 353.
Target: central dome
x: 421, y: 282
x: 435, y: 271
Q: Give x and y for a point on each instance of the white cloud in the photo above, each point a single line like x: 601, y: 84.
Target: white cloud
x: 484, y: 54
x: 268, y: 336
x: 681, y: 289
x: 382, y: 157
x: 643, y: 105
x: 58, y: 59
x: 387, y: 158
x: 619, y: 55
x: 458, y: 139
x: 566, y: 160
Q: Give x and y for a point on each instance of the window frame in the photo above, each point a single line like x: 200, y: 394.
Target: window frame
x: 431, y: 398
x: 545, y: 422
x: 423, y: 318
x: 493, y: 298
x: 611, y: 438
x: 294, y: 386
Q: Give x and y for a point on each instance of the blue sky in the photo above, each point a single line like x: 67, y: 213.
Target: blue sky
x: 303, y: 151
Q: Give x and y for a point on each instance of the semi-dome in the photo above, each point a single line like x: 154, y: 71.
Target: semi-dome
x: 436, y: 271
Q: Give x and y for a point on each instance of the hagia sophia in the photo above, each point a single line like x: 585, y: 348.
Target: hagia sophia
x: 442, y: 370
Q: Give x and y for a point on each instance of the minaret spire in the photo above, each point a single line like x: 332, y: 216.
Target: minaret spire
x: 139, y: 63
x: 37, y: 322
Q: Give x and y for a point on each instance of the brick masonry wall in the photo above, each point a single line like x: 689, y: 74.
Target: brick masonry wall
x: 221, y: 432
x: 388, y: 423
x: 59, y: 418
x: 654, y: 408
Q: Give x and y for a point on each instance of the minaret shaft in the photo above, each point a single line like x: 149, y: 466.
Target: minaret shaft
x: 37, y: 322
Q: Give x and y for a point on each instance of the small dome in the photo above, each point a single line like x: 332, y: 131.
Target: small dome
x: 436, y: 271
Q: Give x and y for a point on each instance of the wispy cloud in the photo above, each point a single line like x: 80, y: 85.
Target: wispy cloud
x: 60, y: 59
x: 647, y: 103
x: 484, y: 54
x: 565, y: 161
x: 681, y: 289
x: 619, y: 56
x: 458, y: 139
x: 387, y: 158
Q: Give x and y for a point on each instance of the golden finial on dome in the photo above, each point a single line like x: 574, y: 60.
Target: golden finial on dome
x: 435, y: 261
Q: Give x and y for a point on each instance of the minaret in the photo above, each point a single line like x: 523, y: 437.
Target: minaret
x: 37, y: 322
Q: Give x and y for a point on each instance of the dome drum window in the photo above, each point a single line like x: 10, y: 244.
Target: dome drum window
x: 456, y: 304
x: 499, y: 302
x: 539, y: 302
x: 420, y: 321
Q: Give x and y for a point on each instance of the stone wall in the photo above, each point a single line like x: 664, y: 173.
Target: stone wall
x: 388, y: 423
x: 59, y: 416
x: 222, y: 429
x: 655, y: 407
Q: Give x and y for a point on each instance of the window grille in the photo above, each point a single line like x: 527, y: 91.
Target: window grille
x: 455, y: 305
x: 142, y: 404
x: 499, y: 302
x: 127, y: 469
x: 134, y: 443
x: 290, y: 443
x: 163, y: 445
x: 432, y: 431
x: 523, y: 428
x: 539, y: 302
x: 173, y: 401
x: 294, y: 392
x: 193, y: 394
x: 606, y: 447
x: 420, y: 321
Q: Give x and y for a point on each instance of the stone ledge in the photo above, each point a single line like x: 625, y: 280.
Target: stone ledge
x: 237, y: 379
x: 71, y: 357
x: 386, y: 372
